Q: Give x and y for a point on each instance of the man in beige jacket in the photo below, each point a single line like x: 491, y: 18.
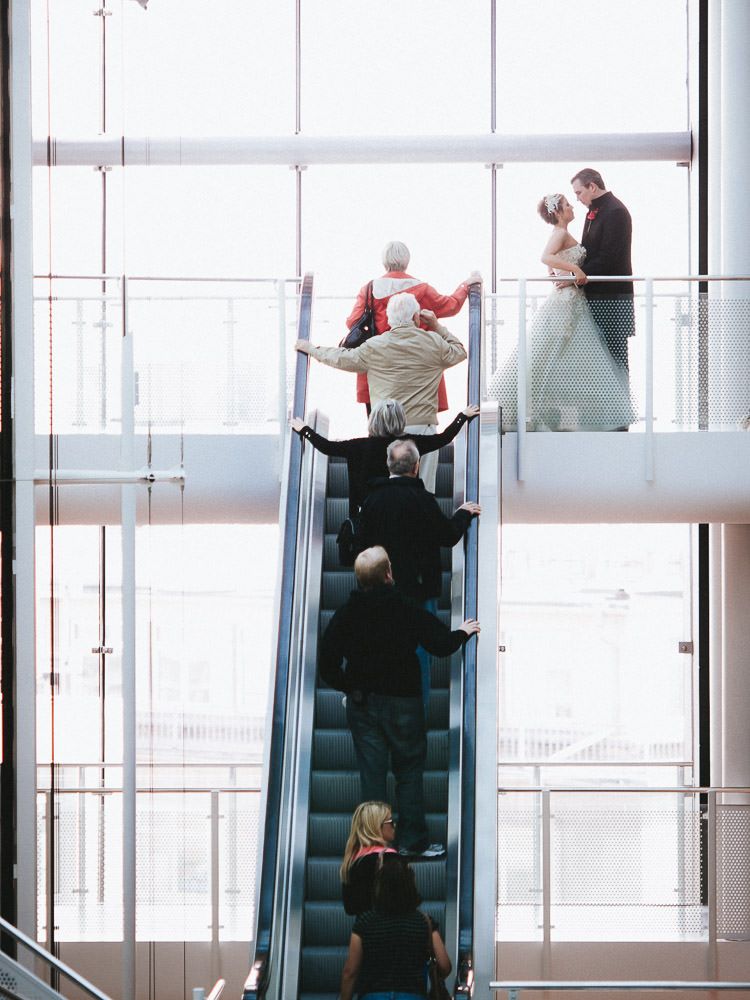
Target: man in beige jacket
x: 404, y: 363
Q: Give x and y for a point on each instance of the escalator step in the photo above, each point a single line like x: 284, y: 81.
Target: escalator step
x: 324, y: 883
x: 327, y: 832
x: 339, y: 791
x: 333, y: 750
x: 320, y: 969
x: 330, y: 713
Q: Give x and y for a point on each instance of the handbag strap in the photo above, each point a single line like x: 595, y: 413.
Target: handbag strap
x: 369, y: 303
x: 430, y: 946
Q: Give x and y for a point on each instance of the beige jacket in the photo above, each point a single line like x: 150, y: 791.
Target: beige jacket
x: 404, y: 364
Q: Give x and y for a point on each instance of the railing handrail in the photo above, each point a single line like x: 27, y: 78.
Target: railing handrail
x: 626, y: 277
x: 513, y: 986
x: 257, y: 979
x: 152, y: 277
x: 604, y: 789
x: 49, y: 959
x: 464, y: 976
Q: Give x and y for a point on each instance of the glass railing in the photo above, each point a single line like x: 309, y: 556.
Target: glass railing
x: 627, y: 864
x: 203, y: 891
x: 688, y: 357
x: 203, y: 356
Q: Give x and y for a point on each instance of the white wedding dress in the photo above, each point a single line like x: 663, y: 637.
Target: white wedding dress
x: 573, y: 381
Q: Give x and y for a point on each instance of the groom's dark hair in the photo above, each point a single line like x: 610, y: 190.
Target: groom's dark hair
x: 588, y: 176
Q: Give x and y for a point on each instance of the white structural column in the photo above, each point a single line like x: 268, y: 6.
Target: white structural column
x: 734, y: 181
x: 733, y: 741
x: 730, y: 545
x: 23, y: 451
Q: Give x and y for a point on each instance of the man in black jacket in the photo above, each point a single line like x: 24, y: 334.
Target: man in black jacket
x: 406, y: 520
x: 607, y: 237
x: 377, y: 632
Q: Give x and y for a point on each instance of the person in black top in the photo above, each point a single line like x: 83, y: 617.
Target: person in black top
x: 390, y: 944
x: 607, y: 237
x: 376, y: 632
x: 407, y: 521
x: 372, y: 834
x: 366, y: 457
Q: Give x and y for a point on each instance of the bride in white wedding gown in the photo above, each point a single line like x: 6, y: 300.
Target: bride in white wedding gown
x: 573, y: 381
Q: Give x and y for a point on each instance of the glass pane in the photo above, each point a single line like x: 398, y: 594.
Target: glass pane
x: 230, y: 73
x: 419, y: 68
x: 67, y: 51
x: 591, y: 616
x: 202, y: 619
x: 210, y: 221
x: 211, y: 358
x: 586, y: 68
x: 78, y: 358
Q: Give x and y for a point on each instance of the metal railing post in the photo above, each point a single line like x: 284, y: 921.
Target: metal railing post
x: 215, y: 915
x: 521, y: 382
x: 282, y: 407
x: 546, y: 883
x: 711, y: 874
x: 649, y: 345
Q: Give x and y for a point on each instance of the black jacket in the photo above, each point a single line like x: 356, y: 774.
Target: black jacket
x: 366, y: 457
x: 377, y: 632
x: 406, y: 520
x: 607, y: 238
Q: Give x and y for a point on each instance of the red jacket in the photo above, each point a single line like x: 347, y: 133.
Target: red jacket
x: 390, y: 284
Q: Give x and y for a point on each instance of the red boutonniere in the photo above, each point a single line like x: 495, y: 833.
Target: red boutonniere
x: 592, y: 214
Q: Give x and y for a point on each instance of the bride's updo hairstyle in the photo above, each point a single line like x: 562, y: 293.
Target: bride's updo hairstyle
x: 548, y: 208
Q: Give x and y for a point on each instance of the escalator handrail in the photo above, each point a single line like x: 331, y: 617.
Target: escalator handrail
x: 257, y: 981
x: 51, y: 961
x: 464, y: 975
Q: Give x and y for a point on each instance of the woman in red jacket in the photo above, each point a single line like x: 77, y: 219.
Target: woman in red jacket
x: 395, y: 261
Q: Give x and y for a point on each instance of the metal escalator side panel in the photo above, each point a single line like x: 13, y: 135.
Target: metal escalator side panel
x: 484, y: 901
x: 468, y: 756
x: 303, y: 719
x: 275, y: 773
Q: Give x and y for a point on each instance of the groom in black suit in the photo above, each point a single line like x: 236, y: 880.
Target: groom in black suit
x: 607, y: 234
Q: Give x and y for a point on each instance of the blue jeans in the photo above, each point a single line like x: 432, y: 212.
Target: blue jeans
x: 425, y: 658
x: 383, y: 727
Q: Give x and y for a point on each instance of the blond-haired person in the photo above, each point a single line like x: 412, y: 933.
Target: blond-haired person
x: 372, y: 835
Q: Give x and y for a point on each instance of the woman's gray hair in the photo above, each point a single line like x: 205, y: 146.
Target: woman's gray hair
x: 387, y: 419
x: 396, y: 256
x: 402, y: 456
x: 401, y: 309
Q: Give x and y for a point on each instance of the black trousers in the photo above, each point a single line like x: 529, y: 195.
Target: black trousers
x: 616, y: 320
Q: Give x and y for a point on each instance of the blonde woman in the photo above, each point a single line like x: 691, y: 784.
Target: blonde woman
x: 371, y: 836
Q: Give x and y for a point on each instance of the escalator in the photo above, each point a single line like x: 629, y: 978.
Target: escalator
x: 335, y: 778
x: 311, y: 779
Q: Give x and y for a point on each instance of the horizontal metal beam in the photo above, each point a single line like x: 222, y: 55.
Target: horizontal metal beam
x: 304, y: 150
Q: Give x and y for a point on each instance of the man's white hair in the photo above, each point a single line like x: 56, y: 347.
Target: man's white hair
x: 401, y: 308
x: 396, y: 256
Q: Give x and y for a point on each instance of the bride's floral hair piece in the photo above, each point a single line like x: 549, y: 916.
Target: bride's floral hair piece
x: 549, y: 206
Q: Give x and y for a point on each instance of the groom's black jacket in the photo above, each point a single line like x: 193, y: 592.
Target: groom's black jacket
x: 607, y: 239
